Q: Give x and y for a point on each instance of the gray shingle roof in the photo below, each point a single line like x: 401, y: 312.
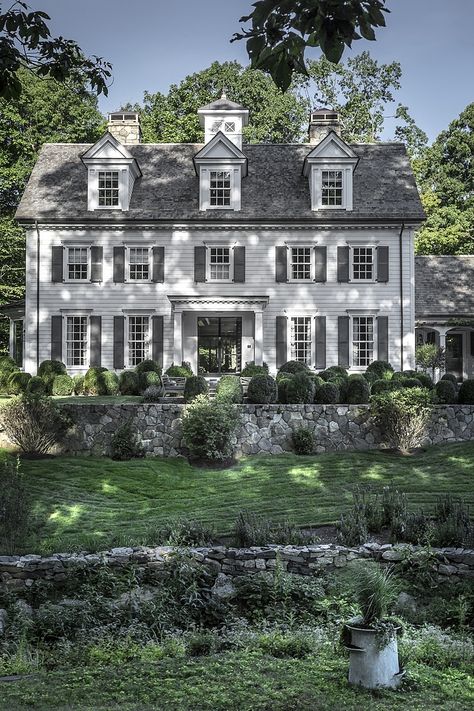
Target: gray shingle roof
x: 444, y: 285
x: 275, y: 189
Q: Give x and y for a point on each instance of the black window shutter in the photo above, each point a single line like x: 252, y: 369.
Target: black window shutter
x: 95, y: 327
x: 56, y: 337
x: 343, y: 323
x: 57, y: 264
x: 157, y: 339
x: 97, y: 254
x: 382, y: 264
x: 281, y: 341
x: 343, y: 264
x: 382, y: 338
x: 199, y: 264
x: 239, y: 264
x: 320, y: 340
x: 472, y: 344
x: 158, y: 264
x: 320, y: 264
x: 281, y: 266
x: 119, y: 264
x: 119, y: 342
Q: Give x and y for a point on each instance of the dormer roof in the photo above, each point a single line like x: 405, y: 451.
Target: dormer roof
x: 332, y: 149
x: 220, y: 149
x: 108, y: 150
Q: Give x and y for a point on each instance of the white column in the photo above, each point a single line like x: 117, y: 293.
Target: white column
x: 178, y: 338
x: 258, y: 338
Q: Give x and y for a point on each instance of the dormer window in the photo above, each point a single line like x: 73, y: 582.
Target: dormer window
x: 220, y: 188
x: 329, y: 168
x: 108, y: 189
x: 331, y: 188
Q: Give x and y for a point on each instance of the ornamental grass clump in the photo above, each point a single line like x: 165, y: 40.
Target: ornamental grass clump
x: 402, y: 417
x: 209, y: 429
x: 377, y: 590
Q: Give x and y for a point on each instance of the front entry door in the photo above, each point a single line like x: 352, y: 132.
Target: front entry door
x: 219, y: 344
x: 454, y: 354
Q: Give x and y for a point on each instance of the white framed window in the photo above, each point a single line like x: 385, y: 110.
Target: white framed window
x: 138, y: 264
x: 108, y: 188
x: 301, y: 263
x: 362, y: 264
x: 219, y: 263
x: 138, y: 340
x: 220, y: 188
x: 77, y: 344
x: 363, y: 341
x: 332, y: 188
x: 300, y: 338
x: 77, y: 263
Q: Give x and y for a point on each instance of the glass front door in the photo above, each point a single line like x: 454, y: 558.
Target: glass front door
x: 454, y: 355
x: 219, y: 344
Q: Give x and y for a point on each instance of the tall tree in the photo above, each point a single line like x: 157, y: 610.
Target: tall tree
x: 275, y: 117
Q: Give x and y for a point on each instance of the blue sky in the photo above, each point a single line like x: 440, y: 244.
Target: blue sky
x: 154, y: 43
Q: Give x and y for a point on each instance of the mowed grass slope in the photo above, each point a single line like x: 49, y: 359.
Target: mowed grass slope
x: 95, y: 502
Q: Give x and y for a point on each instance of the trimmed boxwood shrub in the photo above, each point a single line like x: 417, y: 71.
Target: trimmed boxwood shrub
x: 410, y: 383
x: 94, y: 381
x: 251, y: 369
x: 195, y: 385
x: 229, y: 389
x: 179, y: 371
x: 327, y: 394
x: 357, y: 391
x: 262, y: 389
x: 425, y: 379
x: 7, y: 364
x: 148, y: 378
x: 450, y: 377
x: 293, y: 366
x: 17, y: 382
x: 466, y: 393
x: 148, y: 366
x: 48, y: 368
x: 381, y: 368
x: 37, y: 386
x: 78, y: 384
x: 317, y: 380
x: 400, y: 374
x: 111, y: 382
x: 445, y: 392
x: 335, y: 371
x: 385, y: 386
x: 282, y: 381
x: 63, y: 385
x: 371, y: 377
x: 128, y: 383
x: 300, y: 389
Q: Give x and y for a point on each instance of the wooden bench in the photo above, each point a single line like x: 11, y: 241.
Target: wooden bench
x: 173, y: 386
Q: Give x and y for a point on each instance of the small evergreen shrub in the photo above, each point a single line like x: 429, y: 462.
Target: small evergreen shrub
x: 179, y: 371
x: 381, y: 368
x: 352, y: 528
x: 453, y: 525
x: 445, y: 392
x: 37, y: 386
x: 357, y: 391
x: 303, y: 441
x: 317, y: 380
x: 251, y: 369
x: 410, y: 383
x: 229, y: 389
x: 336, y: 371
x: 466, y: 393
x: 33, y: 423
x: 185, y: 531
x: 4, y: 383
x: 402, y: 374
x: 252, y: 529
x: 129, y: 383
x: 149, y: 377
x: 425, y: 379
x: 370, y: 376
x: 209, y: 429
x: 78, y: 384
x: 111, y: 382
x: 300, y: 389
x: 15, y: 507
x: 125, y: 444
x: 293, y: 367
x: 283, y: 382
x: 153, y: 393
x: 148, y: 366
x: 402, y: 416
x: 17, y: 382
x: 7, y: 364
x: 262, y: 390
x: 48, y: 370
x: 450, y: 378
x: 63, y: 385
x: 327, y: 394
x: 385, y: 386
x: 195, y: 385
x: 94, y: 382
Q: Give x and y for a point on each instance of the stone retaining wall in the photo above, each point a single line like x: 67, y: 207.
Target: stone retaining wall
x: 20, y: 573
x: 264, y: 428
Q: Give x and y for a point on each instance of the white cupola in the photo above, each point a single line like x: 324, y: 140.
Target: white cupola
x: 225, y: 116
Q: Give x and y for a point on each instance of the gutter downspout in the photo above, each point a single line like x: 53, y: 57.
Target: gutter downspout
x: 402, y: 324
x: 38, y: 244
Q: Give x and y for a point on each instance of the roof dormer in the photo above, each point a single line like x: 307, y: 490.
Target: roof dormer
x: 329, y: 168
x: 220, y: 166
x: 111, y: 174
x: 225, y: 116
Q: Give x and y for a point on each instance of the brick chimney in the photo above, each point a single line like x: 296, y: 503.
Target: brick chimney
x: 125, y: 127
x: 322, y: 122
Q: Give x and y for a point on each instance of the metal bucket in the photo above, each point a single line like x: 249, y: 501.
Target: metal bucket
x: 370, y: 665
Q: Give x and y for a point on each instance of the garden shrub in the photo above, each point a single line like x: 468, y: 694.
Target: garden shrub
x: 410, y: 383
x: 148, y: 366
x: 33, y: 423
x: 195, y: 385
x: 370, y: 376
x: 282, y: 382
x: 450, y: 378
x: 327, y: 394
x: 184, y: 531
x: 111, y: 381
x: 381, y: 368
x: 425, y: 379
x: 453, y: 526
x: 385, y: 386
x: 37, y: 386
x: 401, y: 374
x: 262, y: 390
x: 335, y: 371
x: 251, y: 369
x: 352, y: 527
x: 153, y: 393
x: 7, y: 364
x: 229, y: 389
x: 78, y: 384
x: 94, y: 381
x: 149, y: 377
x: 48, y: 370
x: 412, y: 527
x: 300, y: 389
x: 357, y: 391
x: 63, y: 385
x: 15, y: 507
x: 129, y: 383
x: 209, y: 428
x: 17, y: 382
x: 303, y: 441
x: 402, y: 416
x: 252, y: 529
x: 293, y: 367
x: 445, y: 392
x: 125, y: 443
x: 317, y: 381
x: 4, y: 383
x: 179, y: 371
x: 466, y: 393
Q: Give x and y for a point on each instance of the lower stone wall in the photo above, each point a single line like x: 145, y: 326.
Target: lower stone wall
x: 264, y: 428
x: 21, y: 573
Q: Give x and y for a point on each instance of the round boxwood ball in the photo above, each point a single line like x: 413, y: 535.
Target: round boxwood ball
x: 293, y: 366
x: 410, y: 383
x: 51, y: 367
x: 300, y: 389
x: 195, y: 385
x: 384, y: 386
x: 229, y: 389
x: 327, y: 394
x: 128, y: 383
x: 450, y: 377
x: 466, y: 393
x: 445, y: 392
x: 283, y: 380
x: 17, y: 382
x: 94, y: 381
x: 147, y: 378
x: 7, y: 365
x: 262, y: 389
x: 357, y: 391
x: 111, y: 382
x: 63, y: 385
x: 425, y: 380
x: 78, y: 384
x: 37, y: 386
x: 148, y: 366
x: 381, y: 368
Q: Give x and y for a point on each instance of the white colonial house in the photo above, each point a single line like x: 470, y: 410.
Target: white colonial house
x: 219, y: 253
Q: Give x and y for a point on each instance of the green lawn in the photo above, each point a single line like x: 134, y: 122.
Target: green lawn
x: 95, y: 502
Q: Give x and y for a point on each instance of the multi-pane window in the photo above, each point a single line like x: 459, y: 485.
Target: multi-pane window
x: 300, y: 339
x: 331, y: 189
x: 219, y: 187
x: 77, y: 263
x: 138, y: 339
x: 108, y: 188
x: 301, y: 262
x: 362, y: 340
x: 362, y: 263
x: 229, y: 127
x: 219, y: 263
x: 139, y: 263
x: 76, y: 341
